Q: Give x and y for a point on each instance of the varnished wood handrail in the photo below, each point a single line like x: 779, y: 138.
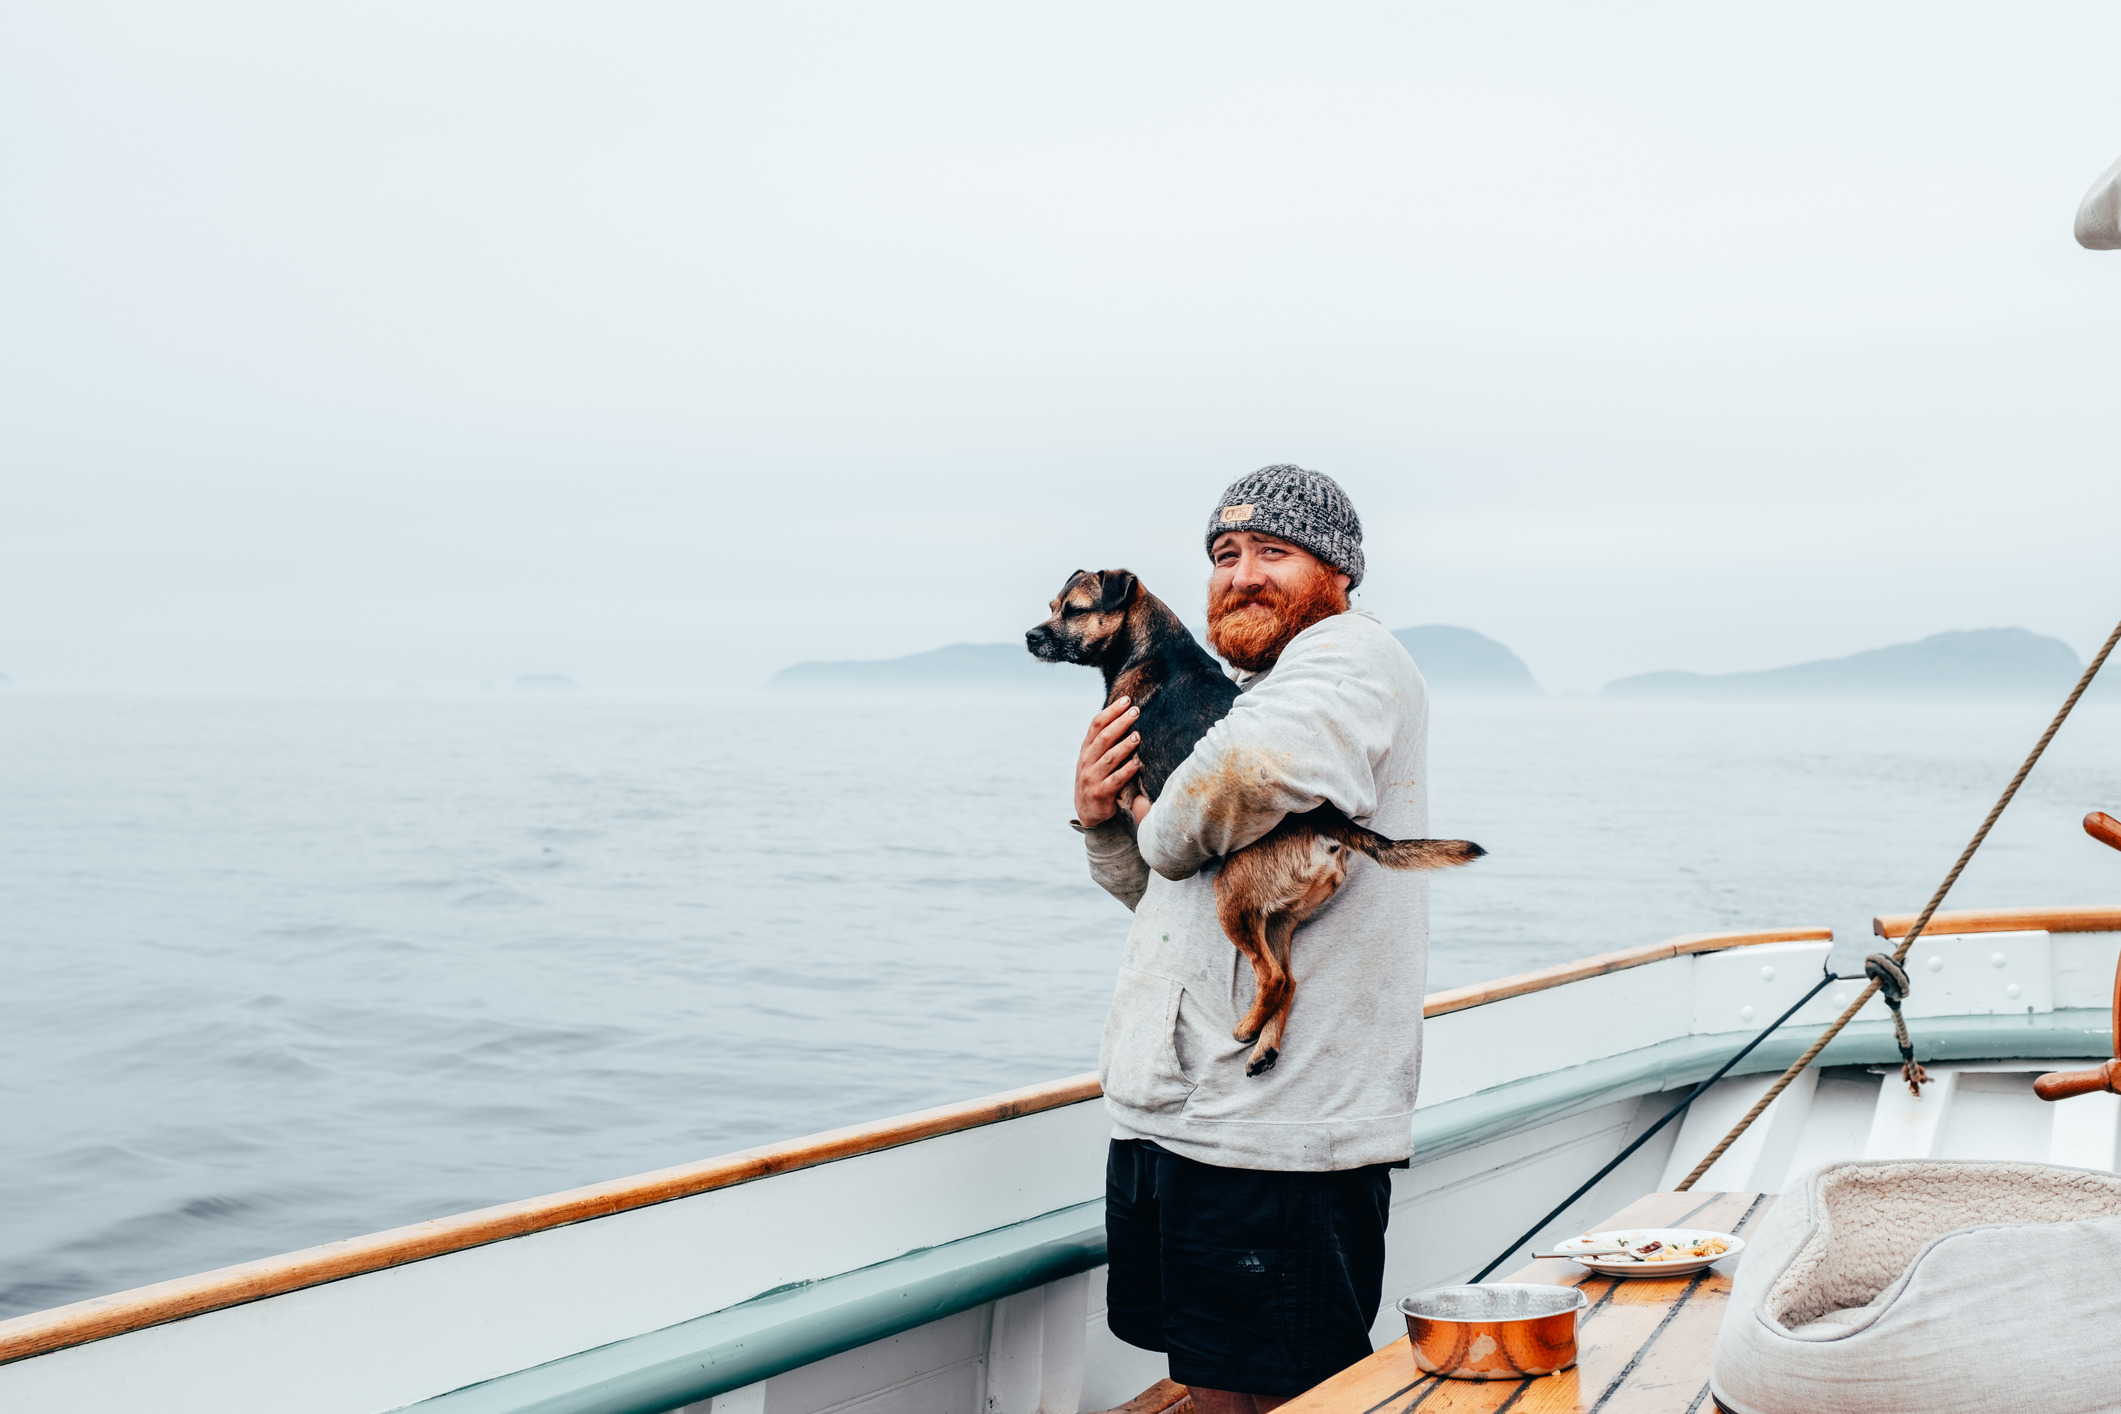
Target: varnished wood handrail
x: 144, y: 1306
x: 1481, y: 993
x: 43, y: 1331
x: 2087, y: 918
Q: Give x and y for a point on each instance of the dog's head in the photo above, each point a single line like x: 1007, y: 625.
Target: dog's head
x: 1088, y: 619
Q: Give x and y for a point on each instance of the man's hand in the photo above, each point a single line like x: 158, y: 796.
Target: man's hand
x: 1108, y: 761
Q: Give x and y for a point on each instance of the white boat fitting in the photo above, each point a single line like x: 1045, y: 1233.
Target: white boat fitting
x: 952, y: 1260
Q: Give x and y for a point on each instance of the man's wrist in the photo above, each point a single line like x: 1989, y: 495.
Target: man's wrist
x: 1085, y: 825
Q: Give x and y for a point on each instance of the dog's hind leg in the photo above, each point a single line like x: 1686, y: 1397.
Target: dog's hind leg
x: 1267, y: 980
x: 1281, y: 927
x: 1246, y: 927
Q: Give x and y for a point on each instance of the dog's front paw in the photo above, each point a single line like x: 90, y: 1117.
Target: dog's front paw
x: 1264, y: 1063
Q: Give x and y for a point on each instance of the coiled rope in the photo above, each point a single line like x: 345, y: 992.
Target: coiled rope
x: 1879, y: 966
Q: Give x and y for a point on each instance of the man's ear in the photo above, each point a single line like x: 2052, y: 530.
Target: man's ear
x: 1119, y: 591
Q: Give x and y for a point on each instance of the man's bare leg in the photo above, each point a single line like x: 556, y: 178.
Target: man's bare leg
x: 1224, y: 1401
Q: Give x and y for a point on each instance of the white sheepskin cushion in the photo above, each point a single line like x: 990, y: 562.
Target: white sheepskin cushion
x: 1950, y: 1288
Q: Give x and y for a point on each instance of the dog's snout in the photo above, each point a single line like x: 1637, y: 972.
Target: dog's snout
x: 1040, y: 641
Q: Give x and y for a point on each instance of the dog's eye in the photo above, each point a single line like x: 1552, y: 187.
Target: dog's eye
x: 1069, y: 611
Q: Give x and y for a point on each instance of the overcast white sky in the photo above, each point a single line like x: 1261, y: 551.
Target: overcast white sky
x: 673, y: 343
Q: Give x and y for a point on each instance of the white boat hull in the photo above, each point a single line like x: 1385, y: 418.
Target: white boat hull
x: 962, y: 1272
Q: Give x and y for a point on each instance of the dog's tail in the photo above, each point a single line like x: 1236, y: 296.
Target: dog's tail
x: 1411, y: 854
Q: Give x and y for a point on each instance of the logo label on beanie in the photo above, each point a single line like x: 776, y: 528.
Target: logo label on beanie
x: 1232, y: 514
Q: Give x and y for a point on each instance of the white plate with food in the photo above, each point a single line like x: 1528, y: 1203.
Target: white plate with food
x: 1649, y: 1251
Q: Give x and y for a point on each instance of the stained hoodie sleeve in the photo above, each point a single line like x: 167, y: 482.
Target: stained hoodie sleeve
x: 1312, y: 731
x: 1115, y: 864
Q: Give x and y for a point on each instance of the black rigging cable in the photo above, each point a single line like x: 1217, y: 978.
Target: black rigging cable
x: 1644, y: 1138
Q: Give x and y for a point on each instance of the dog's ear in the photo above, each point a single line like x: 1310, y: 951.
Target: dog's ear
x: 1118, y: 591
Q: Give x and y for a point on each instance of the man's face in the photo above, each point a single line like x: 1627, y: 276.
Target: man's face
x: 1263, y: 592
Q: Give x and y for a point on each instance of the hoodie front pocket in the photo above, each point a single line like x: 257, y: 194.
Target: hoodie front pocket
x: 1138, y: 1061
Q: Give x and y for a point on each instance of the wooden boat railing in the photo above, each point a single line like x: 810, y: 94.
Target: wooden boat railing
x: 1525, y: 983
x: 99, y: 1317
x: 42, y: 1332
x: 2086, y: 918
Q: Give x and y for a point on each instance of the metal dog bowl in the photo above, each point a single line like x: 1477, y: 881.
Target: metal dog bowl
x: 1501, y: 1331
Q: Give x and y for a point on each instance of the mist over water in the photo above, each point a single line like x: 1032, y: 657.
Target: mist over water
x: 280, y: 970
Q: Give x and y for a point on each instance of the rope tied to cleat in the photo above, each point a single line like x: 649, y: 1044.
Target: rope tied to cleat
x: 1890, y: 977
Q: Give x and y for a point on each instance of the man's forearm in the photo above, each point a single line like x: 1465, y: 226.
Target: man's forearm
x: 1305, y: 736
x: 1193, y: 823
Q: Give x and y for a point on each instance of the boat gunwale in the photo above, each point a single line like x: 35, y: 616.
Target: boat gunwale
x: 1546, y: 978
x: 43, y: 1332
x: 815, y: 1323
x: 2070, y: 918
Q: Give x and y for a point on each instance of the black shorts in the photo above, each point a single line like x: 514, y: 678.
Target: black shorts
x: 1252, y: 1280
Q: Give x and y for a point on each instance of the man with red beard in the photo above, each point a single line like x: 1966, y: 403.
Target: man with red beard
x: 1246, y: 1215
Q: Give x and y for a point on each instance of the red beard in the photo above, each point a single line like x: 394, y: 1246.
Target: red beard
x: 1251, y: 629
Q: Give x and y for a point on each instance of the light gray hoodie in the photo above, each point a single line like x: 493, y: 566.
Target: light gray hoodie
x: 1343, y: 716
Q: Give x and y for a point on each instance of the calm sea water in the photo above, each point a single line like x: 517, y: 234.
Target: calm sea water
x: 283, y: 970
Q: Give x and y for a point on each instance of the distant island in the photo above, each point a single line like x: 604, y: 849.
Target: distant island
x: 1981, y: 663
x: 546, y: 682
x: 1456, y: 661
x: 1989, y: 663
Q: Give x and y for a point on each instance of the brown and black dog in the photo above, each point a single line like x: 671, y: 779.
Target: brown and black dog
x: 1109, y: 621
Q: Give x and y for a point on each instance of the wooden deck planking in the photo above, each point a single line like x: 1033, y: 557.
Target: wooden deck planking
x: 1642, y: 1348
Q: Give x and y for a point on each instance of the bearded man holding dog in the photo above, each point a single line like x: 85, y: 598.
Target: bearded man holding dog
x: 1246, y: 1215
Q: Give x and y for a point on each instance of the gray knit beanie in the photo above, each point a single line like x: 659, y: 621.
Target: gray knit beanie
x: 1305, y: 508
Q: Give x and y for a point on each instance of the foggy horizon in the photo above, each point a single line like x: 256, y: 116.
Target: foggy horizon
x: 666, y: 348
